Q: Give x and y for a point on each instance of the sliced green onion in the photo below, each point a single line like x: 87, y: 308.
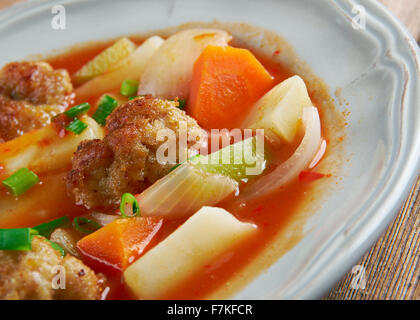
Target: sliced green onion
x: 128, y: 198
x: 129, y: 87
x: 45, y: 229
x: 181, y: 104
x: 77, y: 110
x: 17, y: 239
x: 107, y: 104
x: 76, y: 126
x: 92, y: 225
x: 57, y: 247
x: 21, y: 181
x: 135, y: 97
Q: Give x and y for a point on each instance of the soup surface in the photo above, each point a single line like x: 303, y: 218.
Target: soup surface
x: 58, y: 194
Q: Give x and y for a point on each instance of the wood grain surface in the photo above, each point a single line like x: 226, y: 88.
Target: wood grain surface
x: 391, y: 269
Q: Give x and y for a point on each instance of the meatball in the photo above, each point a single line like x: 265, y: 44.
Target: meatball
x: 127, y: 159
x: 30, y: 94
x: 81, y: 281
x: 31, y: 275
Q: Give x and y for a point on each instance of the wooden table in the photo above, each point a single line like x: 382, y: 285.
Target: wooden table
x: 392, y: 266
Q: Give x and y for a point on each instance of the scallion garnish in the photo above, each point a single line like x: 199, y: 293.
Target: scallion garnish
x: 76, y: 126
x: 129, y: 88
x: 17, y: 239
x: 57, y: 247
x: 20, y: 181
x: 107, y: 104
x: 77, y: 110
x: 181, y: 104
x: 45, y: 229
x: 129, y: 199
x: 89, y: 225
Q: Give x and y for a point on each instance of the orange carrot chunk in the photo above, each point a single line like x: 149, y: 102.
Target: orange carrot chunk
x: 226, y: 82
x: 114, y: 247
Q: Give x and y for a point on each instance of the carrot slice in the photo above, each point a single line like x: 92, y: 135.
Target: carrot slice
x: 114, y: 247
x: 226, y: 82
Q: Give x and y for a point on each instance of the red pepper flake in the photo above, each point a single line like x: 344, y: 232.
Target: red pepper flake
x: 276, y: 52
x: 308, y: 176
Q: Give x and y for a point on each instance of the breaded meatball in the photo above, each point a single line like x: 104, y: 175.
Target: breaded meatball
x: 30, y: 275
x: 81, y: 282
x: 30, y: 94
x: 126, y: 159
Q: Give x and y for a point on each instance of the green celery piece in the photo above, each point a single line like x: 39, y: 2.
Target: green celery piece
x: 234, y: 160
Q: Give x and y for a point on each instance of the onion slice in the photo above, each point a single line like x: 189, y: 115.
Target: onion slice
x: 169, y: 71
x: 184, y: 191
x: 299, y: 161
x: 104, y: 219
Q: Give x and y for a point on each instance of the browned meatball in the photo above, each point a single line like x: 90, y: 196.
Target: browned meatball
x: 30, y: 94
x: 125, y: 160
x: 31, y: 275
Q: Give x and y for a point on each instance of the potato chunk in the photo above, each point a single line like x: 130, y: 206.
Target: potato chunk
x: 279, y: 111
x: 206, y: 235
x: 43, y: 150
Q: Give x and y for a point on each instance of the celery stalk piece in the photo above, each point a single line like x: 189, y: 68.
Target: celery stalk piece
x: 209, y: 233
x: 118, y: 51
x: 279, y: 111
x: 240, y: 161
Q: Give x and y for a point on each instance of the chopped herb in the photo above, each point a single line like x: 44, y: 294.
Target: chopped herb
x: 85, y: 225
x: 76, y: 126
x: 45, y: 229
x: 77, y: 110
x: 17, y: 239
x: 135, y: 97
x: 107, y: 104
x: 181, y: 104
x: 21, y: 181
x: 129, y: 88
x: 128, y: 198
x: 57, y: 247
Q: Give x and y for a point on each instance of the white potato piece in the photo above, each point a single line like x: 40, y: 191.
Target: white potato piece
x: 168, y: 75
x: 279, y: 111
x: 130, y: 68
x: 206, y: 235
x: 43, y: 151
